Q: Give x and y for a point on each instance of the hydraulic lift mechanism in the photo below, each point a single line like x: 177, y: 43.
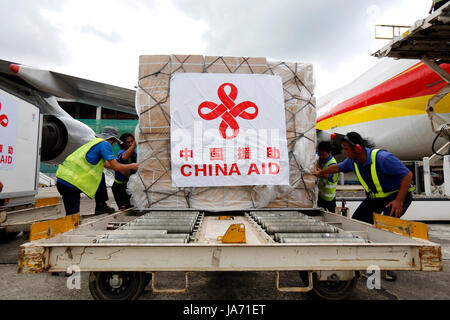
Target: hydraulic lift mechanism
x: 428, y: 40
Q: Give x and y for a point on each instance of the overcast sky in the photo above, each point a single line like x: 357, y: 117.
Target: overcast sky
x: 101, y: 40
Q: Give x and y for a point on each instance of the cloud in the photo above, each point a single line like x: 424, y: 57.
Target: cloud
x: 102, y: 39
x: 26, y: 36
x: 283, y: 29
x: 107, y: 36
x: 325, y: 33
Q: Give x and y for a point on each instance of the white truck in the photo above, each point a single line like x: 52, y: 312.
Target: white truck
x: 20, y: 144
x: 34, y: 128
x: 20, y: 140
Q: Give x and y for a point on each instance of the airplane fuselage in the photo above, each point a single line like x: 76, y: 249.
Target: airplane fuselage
x: 388, y: 105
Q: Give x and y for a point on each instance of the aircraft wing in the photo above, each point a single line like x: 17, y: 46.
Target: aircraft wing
x: 71, y: 88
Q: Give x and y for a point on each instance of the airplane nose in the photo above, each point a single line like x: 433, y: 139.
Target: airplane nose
x: 14, y: 68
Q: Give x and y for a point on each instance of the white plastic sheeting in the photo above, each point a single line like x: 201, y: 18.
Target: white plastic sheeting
x: 152, y: 186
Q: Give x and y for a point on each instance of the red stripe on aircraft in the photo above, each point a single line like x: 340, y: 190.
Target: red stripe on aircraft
x: 419, y: 81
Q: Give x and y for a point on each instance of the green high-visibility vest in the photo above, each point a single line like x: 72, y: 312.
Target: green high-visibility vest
x: 373, y: 172
x: 327, y: 188
x: 77, y: 171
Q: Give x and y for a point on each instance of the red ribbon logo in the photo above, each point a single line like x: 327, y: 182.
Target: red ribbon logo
x: 3, y: 118
x: 228, y: 110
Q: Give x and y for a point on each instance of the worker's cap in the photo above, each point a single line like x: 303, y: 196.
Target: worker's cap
x: 109, y: 132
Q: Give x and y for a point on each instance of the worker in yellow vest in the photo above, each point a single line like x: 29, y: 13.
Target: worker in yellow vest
x: 82, y: 170
x: 327, y: 184
x: 385, y: 179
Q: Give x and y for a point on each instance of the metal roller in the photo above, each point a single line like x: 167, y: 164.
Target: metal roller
x: 163, y: 222
x: 170, y: 229
x: 169, y: 213
x: 294, y: 223
x: 288, y: 228
x: 287, y: 220
x: 274, y: 212
x: 277, y: 214
x: 323, y: 240
x: 154, y: 240
x: 159, y: 221
x: 288, y: 216
x: 146, y: 236
x: 167, y: 218
x: 291, y: 221
x: 279, y: 236
x: 259, y: 219
x: 173, y: 216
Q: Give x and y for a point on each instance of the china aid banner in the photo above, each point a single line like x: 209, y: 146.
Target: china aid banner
x: 8, y: 131
x: 227, y: 130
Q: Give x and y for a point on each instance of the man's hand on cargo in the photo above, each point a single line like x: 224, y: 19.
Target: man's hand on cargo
x: 331, y: 169
x: 317, y: 173
x: 122, y: 168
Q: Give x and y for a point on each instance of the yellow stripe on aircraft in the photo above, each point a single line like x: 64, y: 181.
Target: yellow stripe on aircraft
x: 386, y: 110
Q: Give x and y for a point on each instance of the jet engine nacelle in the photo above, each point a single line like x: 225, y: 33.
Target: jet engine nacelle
x: 61, y: 136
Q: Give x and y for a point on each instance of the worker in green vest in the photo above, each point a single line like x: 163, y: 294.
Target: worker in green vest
x: 384, y: 177
x: 327, y: 184
x: 82, y: 171
x: 436, y: 4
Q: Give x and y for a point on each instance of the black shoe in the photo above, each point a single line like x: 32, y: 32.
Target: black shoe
x: 390, y: 276
x: 104, y: 209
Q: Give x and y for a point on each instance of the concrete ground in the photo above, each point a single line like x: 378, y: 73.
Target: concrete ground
x: 221, y: 285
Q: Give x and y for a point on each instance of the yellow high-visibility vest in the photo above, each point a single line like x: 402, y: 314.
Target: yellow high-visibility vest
x: 77, y: 171
x: 379, y: 193
x: 327, y: 188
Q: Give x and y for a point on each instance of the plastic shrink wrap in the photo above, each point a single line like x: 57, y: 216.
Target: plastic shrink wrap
x: 152, y: 185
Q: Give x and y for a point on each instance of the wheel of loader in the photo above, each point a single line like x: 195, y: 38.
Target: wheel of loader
x: 117, y: 285
x: 329, y: 290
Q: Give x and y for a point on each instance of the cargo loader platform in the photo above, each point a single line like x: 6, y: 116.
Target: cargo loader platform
x: 126, y: 249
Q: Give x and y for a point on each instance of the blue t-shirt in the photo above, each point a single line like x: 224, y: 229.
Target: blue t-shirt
x: 390, y: 170
x: 133, y: 159
x: 93, y: 156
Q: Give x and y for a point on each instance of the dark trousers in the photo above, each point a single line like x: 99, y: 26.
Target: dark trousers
x: 70, y: 197
x: 328, y: 205
x: 366, y: 209
x: 439, y: 4
x: 101, y: 195
x: 121, y: 196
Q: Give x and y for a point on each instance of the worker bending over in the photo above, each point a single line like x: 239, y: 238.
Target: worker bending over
x: 385, y: 179
x: 82, y: 170
x: 327, y: 183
